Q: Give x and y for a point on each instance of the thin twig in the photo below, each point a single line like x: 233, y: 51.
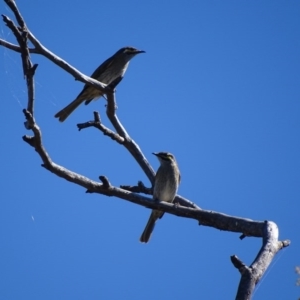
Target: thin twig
x: 97, y: 124
x: 16, y: 48
x: 12, y: 5
x: 140, y: 188
x: 28, y: 68
x: 65, y: 66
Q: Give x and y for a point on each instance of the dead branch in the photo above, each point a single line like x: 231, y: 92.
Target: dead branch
x: 267, y: 230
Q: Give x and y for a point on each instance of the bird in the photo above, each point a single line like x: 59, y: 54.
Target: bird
x: 112, y: 70
x: 166, y: 184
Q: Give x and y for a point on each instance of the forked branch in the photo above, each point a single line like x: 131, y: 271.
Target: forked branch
x: 267, y: 230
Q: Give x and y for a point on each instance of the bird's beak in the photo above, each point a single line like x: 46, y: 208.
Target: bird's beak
x: 155, y: 153
x: 140, y: 51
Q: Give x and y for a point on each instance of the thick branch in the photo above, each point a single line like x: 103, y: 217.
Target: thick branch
x: 252, y: 275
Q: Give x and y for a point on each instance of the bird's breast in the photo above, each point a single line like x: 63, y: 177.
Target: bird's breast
x: 165, y: 192
x: 124, y: 69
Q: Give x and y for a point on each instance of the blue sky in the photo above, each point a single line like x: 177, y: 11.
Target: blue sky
x: 218, y: 87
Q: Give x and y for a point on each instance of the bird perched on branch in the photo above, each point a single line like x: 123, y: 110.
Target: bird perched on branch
x: 166, y: 183
x: 108, y: 72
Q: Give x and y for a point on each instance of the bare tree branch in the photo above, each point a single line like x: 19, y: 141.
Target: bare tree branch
x: 140, y: 188
x: 12, y: 5
x: 267, y: 230
x: 97, y: 124
x: 251, y: 275
x: 67, y: 67
x: 15, y: 47
x: 28, y: 68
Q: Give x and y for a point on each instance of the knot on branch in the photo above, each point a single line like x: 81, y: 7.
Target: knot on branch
x: 29, y: 140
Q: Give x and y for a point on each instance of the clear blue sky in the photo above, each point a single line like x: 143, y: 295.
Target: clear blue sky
x: 218, y: 87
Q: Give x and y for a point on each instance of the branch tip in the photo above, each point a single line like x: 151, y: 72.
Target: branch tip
x: 105, y: 182
x: 285, y: 243
x: 141, y: 184
x: 237, y: 262
x: 45, y: 166
x: 242, y: 236
x: 33, y: 69
x: 97, y: 117
x: 29, y: 140
x: 12, y: 5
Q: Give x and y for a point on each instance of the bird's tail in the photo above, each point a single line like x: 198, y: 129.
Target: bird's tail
x: 65, y: 112
x: 145, y: 237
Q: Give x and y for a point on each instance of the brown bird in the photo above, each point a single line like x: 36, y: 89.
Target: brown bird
x: 166, y: 183
x: 112, y: 69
